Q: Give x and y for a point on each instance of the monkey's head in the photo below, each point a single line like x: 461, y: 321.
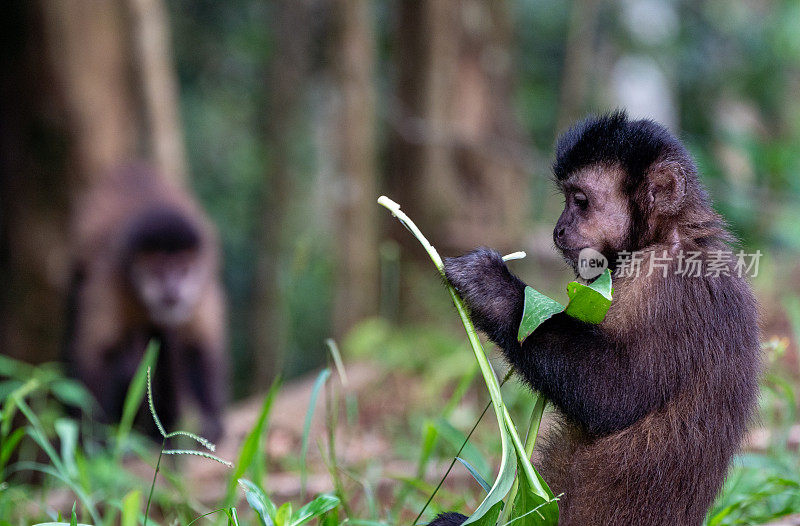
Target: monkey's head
x: 627, y: 185
x: 165, y: 266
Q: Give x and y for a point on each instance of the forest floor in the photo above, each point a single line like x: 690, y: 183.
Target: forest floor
x: 385, y: 401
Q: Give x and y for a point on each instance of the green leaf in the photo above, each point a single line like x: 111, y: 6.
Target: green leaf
x: 529, y: 508
x: 489, y: 509
x: 134, y: 397
x: 15, y: 368
x: 36, y: 433
x: 67, y: 431
x: 130, y: 508
x: 12, y: 403
x: 590, y: 303
x: 72, y: 393
x: 283, y: 516
x: 537, y: 309
x: 430, y: 434
x: 489, y: 517
x: 73, y: 519
x: 259, y: 502
x: 330, y: 518
x: 534, y: 480
x: 477, y: 476
x: 315, y: 508
x: 8, y: 446
x: 252, y: 443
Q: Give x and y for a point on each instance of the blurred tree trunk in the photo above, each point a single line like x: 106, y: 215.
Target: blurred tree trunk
x: 69, y: 115
x: 153, y: 66
x: 459, y: 161
x: 113, y: 63
x: 577, y: 62
x: 355, y: 224
x: 86, y: 43
x: 286, y: 73
x: 33, y: 189
x: 66, y: 119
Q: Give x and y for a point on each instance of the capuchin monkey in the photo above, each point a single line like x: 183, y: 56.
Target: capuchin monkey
x: 146, y: 268
x: 655, y: 400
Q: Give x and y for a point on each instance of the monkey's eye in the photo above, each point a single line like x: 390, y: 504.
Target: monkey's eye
x: 581, y: 200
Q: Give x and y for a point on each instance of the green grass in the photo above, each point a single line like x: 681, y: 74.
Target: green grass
x: 93, y: 472
x: 46, y: 457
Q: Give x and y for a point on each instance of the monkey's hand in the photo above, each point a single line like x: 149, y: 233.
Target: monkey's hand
x: 494, y: 296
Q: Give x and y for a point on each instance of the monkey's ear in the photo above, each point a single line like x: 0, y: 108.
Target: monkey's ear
x: 666, y: 187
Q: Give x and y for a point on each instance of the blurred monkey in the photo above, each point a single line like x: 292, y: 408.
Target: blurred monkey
x: 146, y: 267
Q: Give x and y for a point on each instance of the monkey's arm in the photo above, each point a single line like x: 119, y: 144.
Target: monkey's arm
x: 599, y: 383
x: 494, y: 295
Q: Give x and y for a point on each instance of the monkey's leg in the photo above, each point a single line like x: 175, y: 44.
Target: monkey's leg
x: 206, y: 379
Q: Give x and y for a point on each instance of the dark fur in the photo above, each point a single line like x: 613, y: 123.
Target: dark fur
x: 654, y: 400
x: 448, y: 519
x: 614, y: 139
x: 162, y: 229
x: 136, y: 212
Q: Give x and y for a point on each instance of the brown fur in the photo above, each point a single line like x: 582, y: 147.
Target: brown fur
x: 110, y: 327
x: 655, y: 400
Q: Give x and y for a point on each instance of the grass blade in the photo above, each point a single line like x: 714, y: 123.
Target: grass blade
x: 130, y: 508
x: 67, y: 431
x: 315, y: 508
x: 259, y: 502
x: 134, y: 397
x: 252, y: 443
x: 320, y: 381
x: 337, y: 359
x: 477, y: 476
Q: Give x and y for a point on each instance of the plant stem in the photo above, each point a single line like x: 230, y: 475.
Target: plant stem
x: 332, y: 417
x: 458, y: 454
x: 533, y: 426
x: 153, y: 485
x: 511, y: 445
x: 530, y: 442
x: 206, y: 515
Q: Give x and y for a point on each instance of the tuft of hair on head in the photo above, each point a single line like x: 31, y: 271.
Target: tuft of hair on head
x: 613, y: 138
x: 162, y: 229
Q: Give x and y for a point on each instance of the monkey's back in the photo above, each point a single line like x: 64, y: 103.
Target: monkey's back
x: 102, y: 220
x: 132, y: 210
x: 667, y: 467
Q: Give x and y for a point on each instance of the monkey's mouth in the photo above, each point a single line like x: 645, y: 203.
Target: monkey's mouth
x: 569, y: 253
